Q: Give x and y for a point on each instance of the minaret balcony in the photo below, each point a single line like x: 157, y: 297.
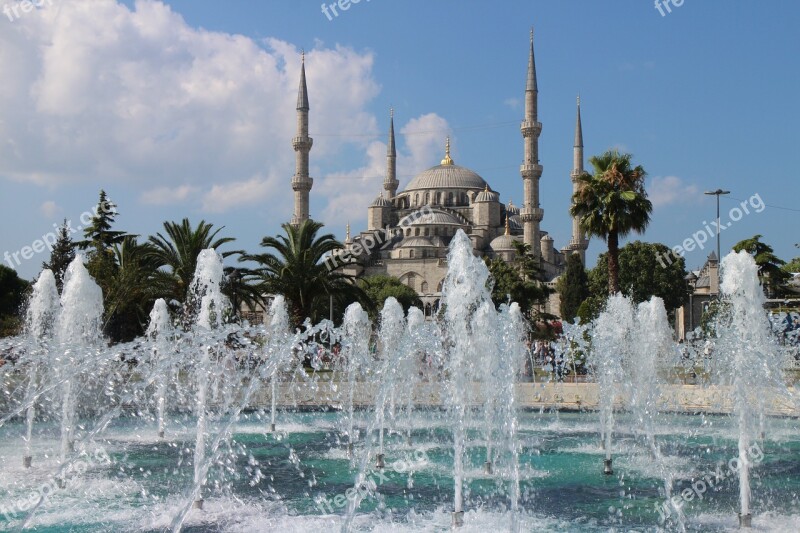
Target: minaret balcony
x: 528, y: 214
x: 302, y: 143
x: 530, y: 128
x: 530, y: 170
x: 302, y: 183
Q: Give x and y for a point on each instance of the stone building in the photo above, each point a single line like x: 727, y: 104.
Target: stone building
x: 408, y: 231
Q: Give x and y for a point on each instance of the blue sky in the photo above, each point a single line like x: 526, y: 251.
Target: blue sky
x: 185, y: 108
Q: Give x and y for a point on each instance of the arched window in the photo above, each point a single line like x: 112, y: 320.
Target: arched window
x: 416, y: 199
x: 416, y: 232
x: 408, y: 232
x: 424, y: 287
x: 427, y: 232
x: 450, y: 199
x: 435, y: 232
x: 412, y: 281
x: 411, y: 254
x: 439, y: 287
x: 427, y: 198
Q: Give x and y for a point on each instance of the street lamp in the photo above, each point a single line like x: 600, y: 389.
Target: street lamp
x: 718, y: 193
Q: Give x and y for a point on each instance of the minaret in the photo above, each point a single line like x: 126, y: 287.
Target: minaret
x: 301, y: 182
x: 390, y: 183
x: 578, y: 243
x: 531, y: 170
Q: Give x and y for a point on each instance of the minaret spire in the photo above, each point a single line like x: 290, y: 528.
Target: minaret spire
x: 391, y: 183
x: 301, y: 181
x: 531, y: 170
x: 532, y: 84
x: 578, y: 243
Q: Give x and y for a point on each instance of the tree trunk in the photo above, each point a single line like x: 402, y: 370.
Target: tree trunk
x: 613, y: 263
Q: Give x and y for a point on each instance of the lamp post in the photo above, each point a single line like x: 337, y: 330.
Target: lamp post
x: 718, y: 193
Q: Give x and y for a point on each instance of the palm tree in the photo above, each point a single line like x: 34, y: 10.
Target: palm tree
x: 295, y: 270
x: 611, y: 203
x: 180, y: 248
x: 135, y: 284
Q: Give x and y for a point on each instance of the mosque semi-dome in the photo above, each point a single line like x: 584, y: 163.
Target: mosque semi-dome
x: 433, y: 217
x: 503, y: 243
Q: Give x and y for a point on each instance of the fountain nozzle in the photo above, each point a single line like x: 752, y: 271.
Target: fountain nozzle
x: 272, y: 428
x: 607, y: 470
x: 198, y: 504
x: 487, y: 467
x: 379, y: 462
x: 745, y: 520
x: 160, y: 434
x: 458, y: 519
x: 27, y: 461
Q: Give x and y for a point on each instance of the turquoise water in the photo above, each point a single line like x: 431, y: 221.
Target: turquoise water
x: 290, y: 481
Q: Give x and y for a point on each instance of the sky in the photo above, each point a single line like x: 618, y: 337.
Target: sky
x: 186, y: 108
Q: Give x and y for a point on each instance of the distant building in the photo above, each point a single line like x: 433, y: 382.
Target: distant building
x: 704, y: 285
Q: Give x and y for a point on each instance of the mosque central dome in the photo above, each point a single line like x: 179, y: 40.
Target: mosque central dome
x: 447, y: 175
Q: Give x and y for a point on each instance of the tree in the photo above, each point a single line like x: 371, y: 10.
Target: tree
x: 12, y: 296
x: 769, y: 265
x: 136, y: 284
x: 99, y: 240
x: 62, y: 255
x: 379, y: 288
x: 642, y: 276
x: 178, y: 251
x: 573, y: 286
x: 294, y: 269
x: 792, y: 267
x: 520, y: 281
x: 611, y: 203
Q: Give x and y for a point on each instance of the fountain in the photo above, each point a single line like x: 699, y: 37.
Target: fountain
x: 40, y: 320
x: 434, y: 429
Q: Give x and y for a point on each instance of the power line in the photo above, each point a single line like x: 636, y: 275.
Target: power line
x: 475, y: 127
x: 765, y: 205
x: 380, y: 176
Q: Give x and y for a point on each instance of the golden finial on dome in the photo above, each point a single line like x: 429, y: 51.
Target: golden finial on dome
x: 508, y: 229
x: 347, y: 238
x: 303, y: 55
x: 447, y: 160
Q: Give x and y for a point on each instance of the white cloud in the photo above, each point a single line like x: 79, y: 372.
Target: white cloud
x: 112, y: 95
x: 167, y: 195
x: 49, y: 209
x: 227, y: 196
x: 668, y: 190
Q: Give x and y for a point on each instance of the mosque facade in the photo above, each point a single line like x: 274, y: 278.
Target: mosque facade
x: 408, y: 231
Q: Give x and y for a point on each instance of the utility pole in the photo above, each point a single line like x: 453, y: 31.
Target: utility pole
x: 718, y: 193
